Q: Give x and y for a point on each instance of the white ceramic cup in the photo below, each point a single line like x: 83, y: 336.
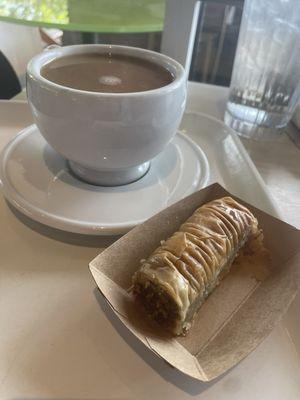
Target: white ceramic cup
x: 108, y: 138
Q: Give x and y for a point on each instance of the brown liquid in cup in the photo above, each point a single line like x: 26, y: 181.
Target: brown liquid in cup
x: 110, y: 73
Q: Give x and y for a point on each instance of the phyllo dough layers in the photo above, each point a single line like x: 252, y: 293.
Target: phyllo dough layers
x: 178, y: 276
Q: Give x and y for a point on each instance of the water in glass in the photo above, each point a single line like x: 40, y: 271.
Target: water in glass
x: 265, y: 84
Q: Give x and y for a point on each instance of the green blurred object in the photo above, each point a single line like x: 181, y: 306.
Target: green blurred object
x: 105, y: 16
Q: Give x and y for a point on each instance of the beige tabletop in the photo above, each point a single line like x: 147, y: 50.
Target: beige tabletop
x: 59, y: 339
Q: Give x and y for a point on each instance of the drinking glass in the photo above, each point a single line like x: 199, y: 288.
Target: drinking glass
x: 265, y: 84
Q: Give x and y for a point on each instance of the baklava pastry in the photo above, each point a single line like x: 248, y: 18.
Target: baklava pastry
x: 178, y: 276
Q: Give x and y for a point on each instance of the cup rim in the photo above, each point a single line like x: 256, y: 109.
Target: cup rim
x: 36, y: 63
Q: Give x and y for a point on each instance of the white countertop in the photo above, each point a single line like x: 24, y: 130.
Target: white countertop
x: 59, y: 339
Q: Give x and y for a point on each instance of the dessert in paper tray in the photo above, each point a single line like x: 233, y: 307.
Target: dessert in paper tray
x: 203, y: 282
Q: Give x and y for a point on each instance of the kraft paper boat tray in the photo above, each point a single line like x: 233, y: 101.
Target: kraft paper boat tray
x: 235, y: 318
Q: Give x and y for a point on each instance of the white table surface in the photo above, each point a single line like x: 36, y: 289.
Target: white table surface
x: 59, y: 341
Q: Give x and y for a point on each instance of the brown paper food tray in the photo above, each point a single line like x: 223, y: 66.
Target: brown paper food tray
x: 235, y: 318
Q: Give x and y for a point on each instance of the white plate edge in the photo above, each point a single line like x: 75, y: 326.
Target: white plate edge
x: 73, y: 226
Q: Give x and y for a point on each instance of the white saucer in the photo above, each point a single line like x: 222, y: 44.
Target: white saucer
x: 37, y: 181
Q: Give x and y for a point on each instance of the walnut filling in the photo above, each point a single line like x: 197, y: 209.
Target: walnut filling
x: 158, y: 304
